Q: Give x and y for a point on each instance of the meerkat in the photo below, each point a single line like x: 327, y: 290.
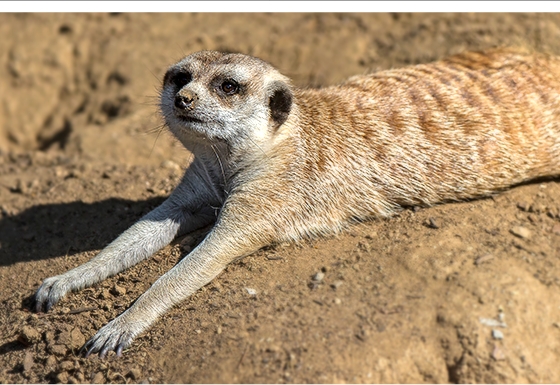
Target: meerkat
x: 282, y: 163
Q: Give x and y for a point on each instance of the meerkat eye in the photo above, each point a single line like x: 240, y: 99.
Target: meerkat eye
x: 181, y: 79
x: 230, y: 87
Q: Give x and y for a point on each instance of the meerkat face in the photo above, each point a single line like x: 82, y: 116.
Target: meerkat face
x: 238, y: 99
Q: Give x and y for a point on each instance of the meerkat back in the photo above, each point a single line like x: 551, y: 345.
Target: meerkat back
x: 459, y: 128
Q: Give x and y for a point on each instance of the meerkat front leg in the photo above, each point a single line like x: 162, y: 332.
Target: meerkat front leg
x: 179, y: 214
x: 230, y: 239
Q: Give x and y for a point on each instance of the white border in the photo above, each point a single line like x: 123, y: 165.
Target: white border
x: 280, y: 6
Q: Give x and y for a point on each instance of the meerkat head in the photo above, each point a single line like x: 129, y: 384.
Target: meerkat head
x: 234, y: 98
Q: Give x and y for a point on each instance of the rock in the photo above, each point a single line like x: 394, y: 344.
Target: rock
x: 337, y: 301
x: 104, y: 294
x: 521, y: 232
x: 59, y: 350
x: 318, y: 277
x: 497, y: 334
x: 51, y: 361
x: 99, y: 378
x: 73, y: 339
x: 336, y: 284
x: 252, y: 292
x: 135, y: 374
x: 28, y: 362
x: 498, y: 354
x: 532, y: 218
x: 169, y: 164
x: 66, y: 365
x: 485, y: 258
x: 556, y: 229
x: 49, y: 337
x: 118, y: 290
x: 433, y: 223
x: 62, y: 377
x: 29, y: 336
x: 537, y: 208
x: 492, y: 322
x: 523, y: 206
x: 80, y: 377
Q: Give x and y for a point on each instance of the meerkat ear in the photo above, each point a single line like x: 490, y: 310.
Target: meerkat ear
x: 280, y: 103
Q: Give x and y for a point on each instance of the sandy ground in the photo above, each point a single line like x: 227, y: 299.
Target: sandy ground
x: 443, y: 294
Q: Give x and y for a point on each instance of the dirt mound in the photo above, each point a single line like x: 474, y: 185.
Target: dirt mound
x: 464, y: 292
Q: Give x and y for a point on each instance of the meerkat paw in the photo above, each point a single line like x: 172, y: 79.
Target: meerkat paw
x: 50, y: 292
x: 117, y: 335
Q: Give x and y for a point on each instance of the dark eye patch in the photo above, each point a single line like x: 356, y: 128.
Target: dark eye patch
x: 179, y: 79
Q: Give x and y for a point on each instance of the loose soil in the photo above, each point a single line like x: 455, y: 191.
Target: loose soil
x: 463, y: 292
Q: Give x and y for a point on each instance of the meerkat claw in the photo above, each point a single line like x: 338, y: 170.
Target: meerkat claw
x: 116, y: 335
x: 103, y: 352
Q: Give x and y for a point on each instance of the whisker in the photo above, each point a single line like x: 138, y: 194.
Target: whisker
x: 221, y: 168
x: 256, y: 145
x: 161, y: 127
x: 154, y: 130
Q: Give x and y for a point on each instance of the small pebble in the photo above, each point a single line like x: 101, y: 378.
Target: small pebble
x: 99, y: 378
x: 485, y: 258
x: 135, y: 374
x: 337, y: 301
x: 522, y: 206
x: 105, y: 294
x: 73, y: 339
x: 251, y: 291
x: 521, y: 232
x: 492, y: 322
x: 51, y: 361
x: 497, y: 334
x: 28, y: 362
x: 498, y: 354
x: 66, y: 365
x: 62, y: 377
x: 537, y: 208
x: 318, y: 277
x: 29, y: 336
x: 433, y: 223
x: 59, y: 350
x: 336, y: 284
x: 532, y: 218
x: 556, y: 229
x: 169, y: 164
x: 80, y: 377
x: 118, y: 290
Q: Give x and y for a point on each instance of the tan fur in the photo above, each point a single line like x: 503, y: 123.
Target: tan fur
x: 458, y: 128
x: 273, y: 162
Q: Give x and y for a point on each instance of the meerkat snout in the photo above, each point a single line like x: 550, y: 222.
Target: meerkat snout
x: 185, y: 100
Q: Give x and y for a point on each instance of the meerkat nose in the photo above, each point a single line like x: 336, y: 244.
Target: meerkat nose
x: 184, y: 101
